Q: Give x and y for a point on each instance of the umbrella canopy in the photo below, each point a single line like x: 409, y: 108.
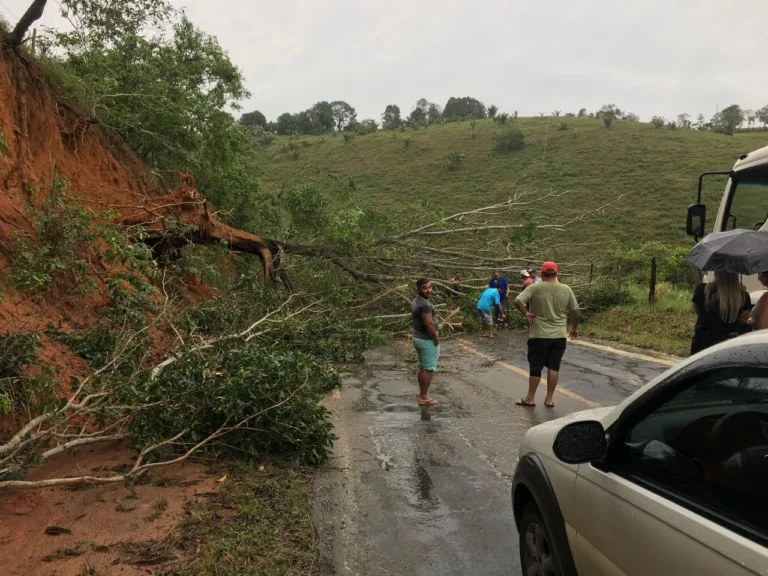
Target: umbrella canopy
x: 739, y: 251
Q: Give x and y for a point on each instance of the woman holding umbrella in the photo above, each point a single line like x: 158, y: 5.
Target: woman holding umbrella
x: 723, y: 306
x: 722, y: 309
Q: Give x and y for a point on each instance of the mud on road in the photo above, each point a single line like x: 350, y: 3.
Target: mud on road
x: 426, y: 490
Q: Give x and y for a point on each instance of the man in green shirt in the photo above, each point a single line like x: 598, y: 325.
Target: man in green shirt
x: 547, y: 305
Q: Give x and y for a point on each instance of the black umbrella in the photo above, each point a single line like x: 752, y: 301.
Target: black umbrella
x: 739, y: 251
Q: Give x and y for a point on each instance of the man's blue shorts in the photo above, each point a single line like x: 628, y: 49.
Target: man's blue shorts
x: 427, y: 354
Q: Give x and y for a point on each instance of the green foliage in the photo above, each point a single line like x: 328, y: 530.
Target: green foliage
x: 608, y: 120
x: 166, y: 87
x: 453, y: 161
x: 17, y: 350
x: 234, y: 381
x: 464, y: 107
x: 68, y: 239
x: 563, y: 125
x: 728, y: 119
x: 509, y: 140
x: 4, y: 150
x: 406, y: 142
x: 671, y: 265
x: 391, y: 120
x: 348, y: 136
x: 367, y: 126
x: 672, y: 125
x: 253, y: 119
x: 603, y: 294
x: 501, y: 118
x: 658, y: 122
x: 492, y: 110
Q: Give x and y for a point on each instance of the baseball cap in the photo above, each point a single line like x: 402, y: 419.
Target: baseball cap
x: 548, y: 267
x: 524, y: 273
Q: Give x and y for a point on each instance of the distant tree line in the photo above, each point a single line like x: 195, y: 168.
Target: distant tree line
x: 340, y: 116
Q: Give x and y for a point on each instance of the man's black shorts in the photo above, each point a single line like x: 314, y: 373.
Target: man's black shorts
x: 545, y: 352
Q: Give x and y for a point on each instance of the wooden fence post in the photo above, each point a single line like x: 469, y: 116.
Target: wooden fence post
x: 652, y: 291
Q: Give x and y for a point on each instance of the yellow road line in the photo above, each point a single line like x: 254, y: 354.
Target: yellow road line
x: 617, y: 352
x: 467, y: 346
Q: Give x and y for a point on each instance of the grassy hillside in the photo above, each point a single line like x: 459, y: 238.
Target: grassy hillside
x: 655, y: 169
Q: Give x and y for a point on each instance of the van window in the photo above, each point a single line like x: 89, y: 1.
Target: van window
x: 749, y: 206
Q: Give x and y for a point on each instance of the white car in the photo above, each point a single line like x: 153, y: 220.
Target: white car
x: 673, y: 481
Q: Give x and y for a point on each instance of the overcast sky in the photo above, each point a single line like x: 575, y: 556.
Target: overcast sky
x: 649, y: 57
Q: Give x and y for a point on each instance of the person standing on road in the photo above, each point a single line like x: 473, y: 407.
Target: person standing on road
x: 425, y: 339
x: 546, y: 306
x: 722, y: 311
x: 502, y: 285
x: 490, y: 300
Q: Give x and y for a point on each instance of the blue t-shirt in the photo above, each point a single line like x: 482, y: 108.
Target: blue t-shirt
x: 488, y: 298
x: 502, y: 284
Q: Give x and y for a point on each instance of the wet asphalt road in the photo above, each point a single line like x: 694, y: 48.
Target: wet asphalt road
x: 425, y: 491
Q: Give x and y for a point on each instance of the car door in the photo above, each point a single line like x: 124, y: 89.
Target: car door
x: 684, y: 489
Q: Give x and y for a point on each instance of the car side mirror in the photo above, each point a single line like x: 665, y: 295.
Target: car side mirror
x: 580, y: 442
x: 696, y: 220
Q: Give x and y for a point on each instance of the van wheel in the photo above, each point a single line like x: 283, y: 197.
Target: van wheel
x: 537, y: 555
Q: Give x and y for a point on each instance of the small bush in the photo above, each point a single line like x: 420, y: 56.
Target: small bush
x: 294, y: 155
x: 501, y: 118
x: 453, y: 161
x: 658, y: 122
x: 348, y: 136
x: 509, y: 140
x: 306, y: 143
x: 266, y: 139
x: 604, y: 294
x: 563, y: 125
x: 17, y: 350
x: 235, y: 381
x: 69, y: 241
x: 672, y: 125
x: 406, y: 142
x: 608, y: 120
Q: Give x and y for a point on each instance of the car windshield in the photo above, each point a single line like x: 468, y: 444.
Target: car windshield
x: 742, y: 391
x: 749, y: 204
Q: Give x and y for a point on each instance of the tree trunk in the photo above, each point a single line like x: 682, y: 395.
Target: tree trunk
x: 33, y: 13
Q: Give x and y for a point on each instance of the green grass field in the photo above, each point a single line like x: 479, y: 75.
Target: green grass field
x: 655, y: 170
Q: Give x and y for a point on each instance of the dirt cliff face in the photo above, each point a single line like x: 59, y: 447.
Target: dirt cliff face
x: 44, y: 137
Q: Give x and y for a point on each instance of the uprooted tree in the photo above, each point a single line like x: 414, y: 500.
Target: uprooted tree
x: 243, y: 370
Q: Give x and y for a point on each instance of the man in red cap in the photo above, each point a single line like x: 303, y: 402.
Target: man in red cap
x: 547, y: 305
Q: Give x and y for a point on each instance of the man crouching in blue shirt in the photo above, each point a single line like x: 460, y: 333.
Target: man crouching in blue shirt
x: 489, y: 300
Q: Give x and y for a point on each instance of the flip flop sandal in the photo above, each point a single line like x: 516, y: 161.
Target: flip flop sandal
x: 430, y: 402
x: 522, y: 402
x: 549, y: 405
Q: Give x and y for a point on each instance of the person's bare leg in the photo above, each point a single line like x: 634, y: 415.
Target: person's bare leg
x: 552, y: 378
x: 533, y: 383
x: 490, y: 328
x: 425, y: 379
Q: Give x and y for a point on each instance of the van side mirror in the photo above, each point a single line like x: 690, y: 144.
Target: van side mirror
x: 696, y: 220
x: 580, y: 442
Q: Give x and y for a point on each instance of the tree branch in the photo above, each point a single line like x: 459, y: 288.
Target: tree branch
x: 33, y: 13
